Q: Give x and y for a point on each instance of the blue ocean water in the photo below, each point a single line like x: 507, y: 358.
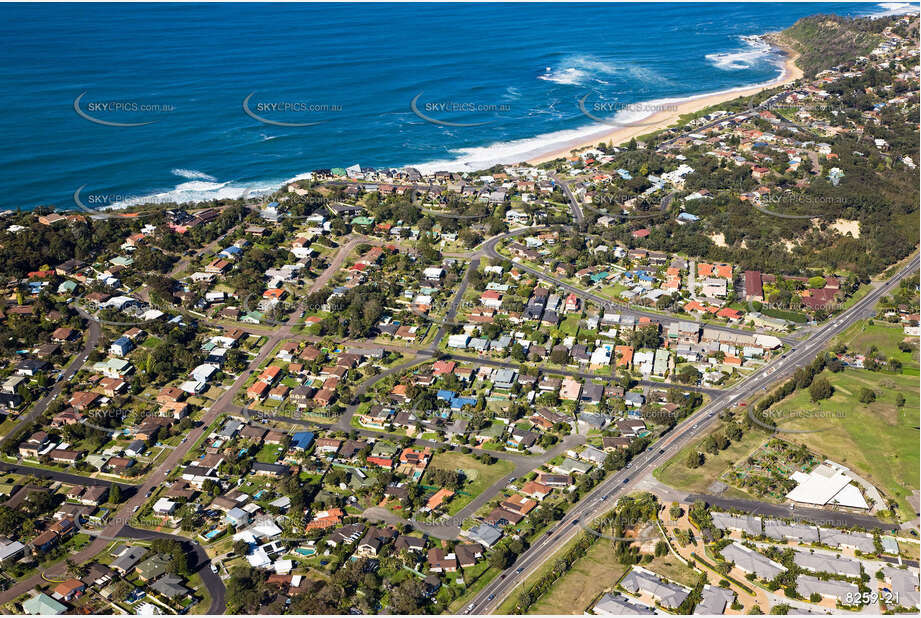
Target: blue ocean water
x: 334, y: 84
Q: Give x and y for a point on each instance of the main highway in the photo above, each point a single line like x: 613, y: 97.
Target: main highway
x: 603, y: 496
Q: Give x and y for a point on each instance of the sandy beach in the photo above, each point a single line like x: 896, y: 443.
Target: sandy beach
x: 666, y: 117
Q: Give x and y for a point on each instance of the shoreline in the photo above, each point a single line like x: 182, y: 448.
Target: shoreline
x: 663, y: 119
x: 655, y: 121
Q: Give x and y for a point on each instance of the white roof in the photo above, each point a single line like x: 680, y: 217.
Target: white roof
x: 767, y: 341
x: 258, y: 559
x: 164, y: 505
x: 819, y: 486
x: 265, y: 529
x: 850, y: 496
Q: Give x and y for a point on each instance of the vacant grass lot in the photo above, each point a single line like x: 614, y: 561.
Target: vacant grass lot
x: 597, y: 572
x: 878, y: 441
x: 589, y: 577
x: 676, y: 473
x: 479, y: 475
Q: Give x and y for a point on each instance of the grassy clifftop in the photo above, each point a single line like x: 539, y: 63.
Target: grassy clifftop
x: 824, y: 41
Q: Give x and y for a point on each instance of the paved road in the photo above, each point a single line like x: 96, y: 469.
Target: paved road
x: 201, y: 564
x: 624, y: 481
x: 123, y: 514
x: 94, y: 332
x: 489, y: 247
x: 339, y: 259
x: 819, y: 517
x: 573, y: 202
x: 64, y: 477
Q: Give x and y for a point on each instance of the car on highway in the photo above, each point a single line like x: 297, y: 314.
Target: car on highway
x: 694, y: 426
x: 214, y: 568
x: 520, y: 569
x: 661, y: 450
x: 149, y: 492
x: 468, y: 609
x: 491, y: 597
x: 135, y: 509
x: 626, y: 480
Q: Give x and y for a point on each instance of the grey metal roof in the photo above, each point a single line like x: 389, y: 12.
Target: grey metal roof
x: 714, y: 600
x: 751, y: 561
x: 747, y: 523
x: 668, y: 594
x: 619, y: 605
x: 823, y: 563
x: 777, y: 529
x: 840, y: 538
x: 806, y: 585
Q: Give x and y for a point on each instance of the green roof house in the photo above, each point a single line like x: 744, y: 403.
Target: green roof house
x: 42, y: 604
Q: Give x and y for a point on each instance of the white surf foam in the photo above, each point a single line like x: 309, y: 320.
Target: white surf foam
x: 193, y: 174
x: 582, y: 70
x: 895, y: 8
x: 756, y: 52
x: 516, y: 151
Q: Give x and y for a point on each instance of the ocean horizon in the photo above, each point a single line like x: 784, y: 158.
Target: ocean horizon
x: 130, y: 103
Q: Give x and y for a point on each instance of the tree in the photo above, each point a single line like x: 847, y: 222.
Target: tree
x: 500, y: 559
x: 75, y: 570
x: 695, y: 459
x: 559, y: 355
x: 115, y: 494
x: 688, y: 374
x: 866, y: 396
x: 820, y: 389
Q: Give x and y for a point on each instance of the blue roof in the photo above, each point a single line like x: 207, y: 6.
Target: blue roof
x: 446, y: 395
x: 686, y: 216
x: 302, y: 439
x: 460, y: 402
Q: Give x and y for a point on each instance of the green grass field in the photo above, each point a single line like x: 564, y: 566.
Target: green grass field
x: 479, y: 475
x: 676, y: 473
x: 878, y: 441
x: 594, y: 573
